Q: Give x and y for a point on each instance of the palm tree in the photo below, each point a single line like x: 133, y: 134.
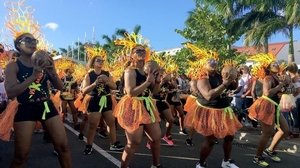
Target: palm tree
x: 267, y: 18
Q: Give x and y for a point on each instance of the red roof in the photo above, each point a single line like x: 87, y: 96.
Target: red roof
x: 274, y: 48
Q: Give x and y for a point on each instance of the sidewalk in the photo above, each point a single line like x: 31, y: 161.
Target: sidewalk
x: 249, y: 137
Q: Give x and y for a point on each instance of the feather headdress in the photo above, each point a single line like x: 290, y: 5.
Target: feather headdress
x: 20, y: 20
x: 196, y: 69
x: 93, y: 51
x: 132, y: 40
x: 262, y: 61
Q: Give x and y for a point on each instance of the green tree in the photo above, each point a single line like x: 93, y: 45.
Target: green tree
x: 207, y: 29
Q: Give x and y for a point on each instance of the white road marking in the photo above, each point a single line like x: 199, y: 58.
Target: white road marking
x: 97, y: 148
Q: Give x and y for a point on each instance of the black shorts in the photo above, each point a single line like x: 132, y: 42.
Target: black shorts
x: 161, y: 106
x: 94, y: 105
x: 34, y: 111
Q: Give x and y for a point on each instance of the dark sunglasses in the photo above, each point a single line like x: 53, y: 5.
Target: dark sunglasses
x: 212, y: 62
x: 140, y: 51
x: 29, y: 40
x: 99, y: 60
x: 274, y: 64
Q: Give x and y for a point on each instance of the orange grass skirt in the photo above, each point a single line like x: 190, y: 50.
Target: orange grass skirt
x: 7, y: 120
x: 131, y: 113
x: 188, y: 106
x: 56, y: 101
x: 211, y: 121
x: 262, y: 110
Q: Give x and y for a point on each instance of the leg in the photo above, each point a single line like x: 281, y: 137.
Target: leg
x: 83, y: 123
x: 206, y: 148
x: 58, y: 134
x: 153, y: 132
x: 74, y: 112
x: 23, y: 136
x: 227, y: 147
x: 267, y: 131
x: 170, y: 119
x: 64, y: 109
x: 133, y: 141
x: 180, y: 115
x: 282, y: 132
x: 110, y: 121
x: 93, y: 122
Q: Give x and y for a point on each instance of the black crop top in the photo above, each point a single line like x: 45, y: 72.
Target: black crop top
x: 37, y: 91
x: 220, y: 101
x: 140, y: 79
x: 100, y: 89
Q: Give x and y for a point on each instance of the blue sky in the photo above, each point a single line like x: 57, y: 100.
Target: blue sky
x: 74, y: 18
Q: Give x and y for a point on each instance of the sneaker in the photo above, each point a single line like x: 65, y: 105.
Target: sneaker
x: 102, y: 134
x: 55, y: 153
x: 116, y: 147
x: 260, y: 161
x: 148, y: 145
x: 158, y: 166
x: 199, y: 165
x: 228, y: 164
x: 189, y: 142
x: 168, y: 140
x: 88, y: 150
x: 272, y: 155
x: 183, y: 132
x: 80, y: 136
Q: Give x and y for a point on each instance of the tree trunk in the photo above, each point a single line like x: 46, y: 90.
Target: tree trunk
x: 266, y: 45
x: 291, y: 56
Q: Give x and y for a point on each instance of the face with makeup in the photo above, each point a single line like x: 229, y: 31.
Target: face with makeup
x: 98, y: 62
x: 274, y: 67
x: 27, y: 44
x: 211, y: 65
x: 138, y: 54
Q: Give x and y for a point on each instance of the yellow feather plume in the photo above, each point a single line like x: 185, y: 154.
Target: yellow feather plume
x: 93, y: 51
x: 201, y: 52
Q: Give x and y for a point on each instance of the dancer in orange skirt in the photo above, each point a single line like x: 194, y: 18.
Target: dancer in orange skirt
x: 266, y: 108
x: 212, y: 115
x: 136, y: 111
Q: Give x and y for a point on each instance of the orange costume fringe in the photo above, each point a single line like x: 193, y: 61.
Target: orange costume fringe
x: 188, y: 106
x: 211, y: 121
x: 56, y: 101
x: 7, y: 120
x: 132, y: 113
x: 263, y: 110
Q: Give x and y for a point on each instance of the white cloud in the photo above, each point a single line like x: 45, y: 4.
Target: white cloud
x: 51, y: 25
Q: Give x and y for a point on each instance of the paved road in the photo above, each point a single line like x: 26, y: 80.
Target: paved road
x: 179, y: 156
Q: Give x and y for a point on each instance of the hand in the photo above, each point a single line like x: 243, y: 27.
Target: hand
x: 158, y: 77
x: 104, y: 78
x: 150, y: 77
x: 50, y: 68
x: 38, y: 69
x: 227, y: 82
x: 98, y: 80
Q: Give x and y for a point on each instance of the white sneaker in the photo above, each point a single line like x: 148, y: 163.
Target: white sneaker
x: 198, y: 165
x: 229, y: 164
